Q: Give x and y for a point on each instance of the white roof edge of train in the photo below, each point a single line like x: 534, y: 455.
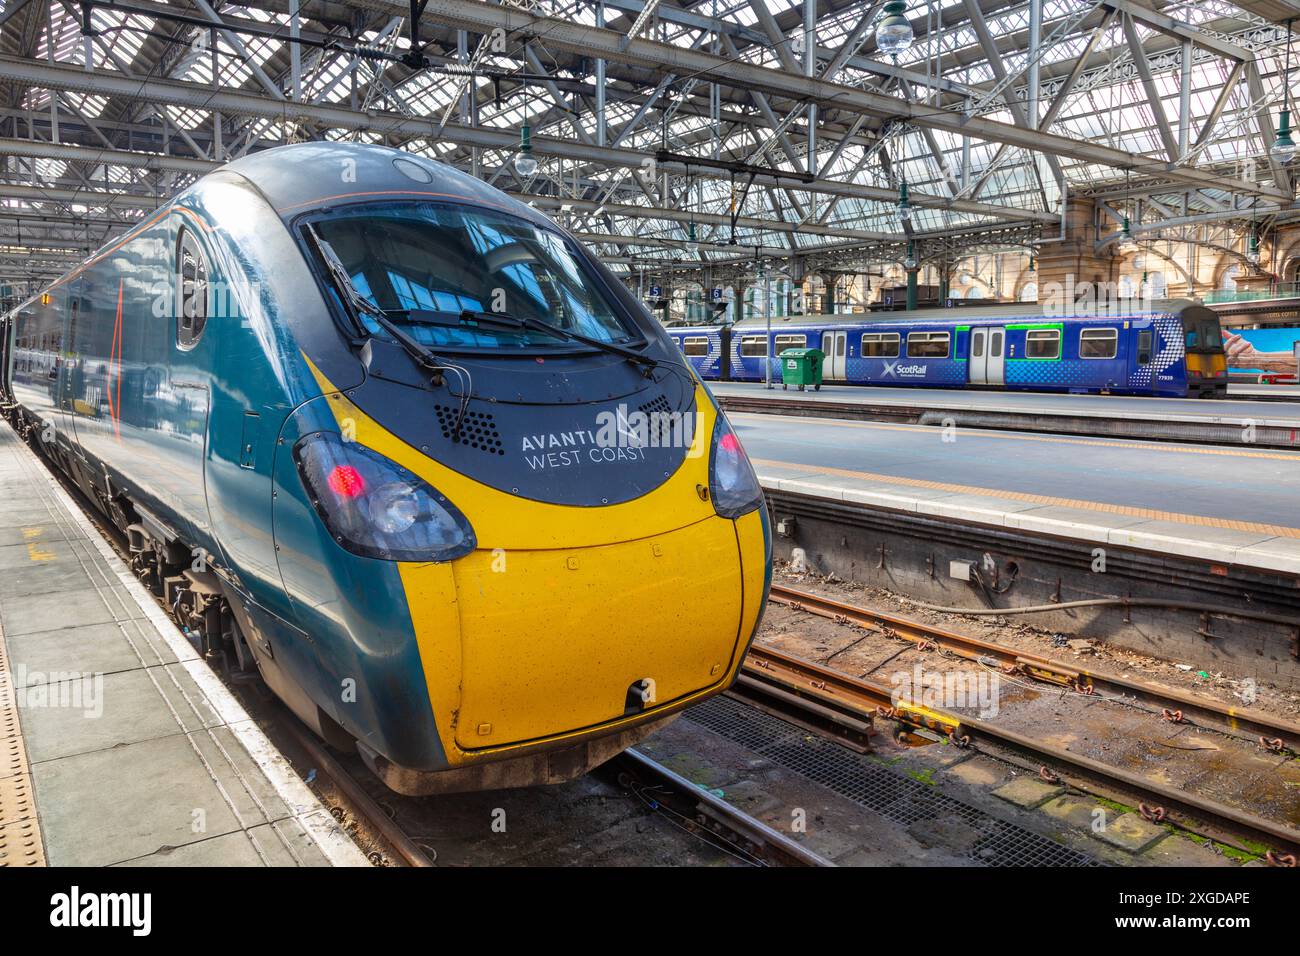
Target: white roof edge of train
x: 994, y: 314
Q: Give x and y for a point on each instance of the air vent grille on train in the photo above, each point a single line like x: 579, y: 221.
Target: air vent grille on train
x: 478, y: 430
x: 656, y: 406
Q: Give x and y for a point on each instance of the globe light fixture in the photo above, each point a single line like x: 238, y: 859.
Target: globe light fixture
x: 692, y: 243
x: 894, y: 33
x: 1127, y: 244
x: 525, y: 162
x: 1284, y: 147
x: 903, y: 211
x: 910, y: 260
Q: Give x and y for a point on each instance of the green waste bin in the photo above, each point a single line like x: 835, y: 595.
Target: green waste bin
x: 802, y: 367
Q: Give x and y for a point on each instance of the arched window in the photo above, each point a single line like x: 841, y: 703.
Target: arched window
x: 974, y: 292
x: 191, y: 291
x: 1157, y: 286
x: 1229, y: 281
x: 1029, y: 293
x: 1126, y: 287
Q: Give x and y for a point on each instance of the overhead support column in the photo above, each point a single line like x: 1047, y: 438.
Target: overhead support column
x: 295, y: 52
x: 810, y: 70
x: 601, y: 129
x: 1185, y: 102
x: 1035, y: 38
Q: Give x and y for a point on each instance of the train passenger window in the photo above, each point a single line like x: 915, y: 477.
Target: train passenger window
x: 752, y: 346
x: 927, y: 344
x: 191, y: 291
x: 695, y: 345
x: 1098, y: 343
x: 880, y: 345
x: 784, y: 342
x: 1043, y: 344
x: 1144, y: 347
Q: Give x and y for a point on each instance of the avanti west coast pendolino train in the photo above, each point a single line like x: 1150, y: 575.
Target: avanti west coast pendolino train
x: 1172, y: 349
x: 379, y: 432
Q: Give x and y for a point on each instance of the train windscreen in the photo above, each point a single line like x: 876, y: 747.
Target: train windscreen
x: 1202, y: 330
x: 421, y: 262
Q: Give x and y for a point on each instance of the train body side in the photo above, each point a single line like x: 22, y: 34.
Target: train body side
x: 190, y: 437
x: 1131, y: 354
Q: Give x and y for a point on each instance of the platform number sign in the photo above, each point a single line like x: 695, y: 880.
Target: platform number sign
x: 656, y: 292
x: 715, y: 294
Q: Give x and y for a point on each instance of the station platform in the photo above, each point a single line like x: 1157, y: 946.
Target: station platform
x: 118, y: 744
x: 1264, y: 393
x: 1244, y: 418
x: 1225, y: 505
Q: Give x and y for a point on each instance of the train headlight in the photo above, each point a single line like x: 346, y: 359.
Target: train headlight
x: 394, y: 508
x: 376, y: 508
x: 733, y: 485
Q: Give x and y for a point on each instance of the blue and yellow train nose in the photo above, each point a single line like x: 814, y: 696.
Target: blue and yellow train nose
x: 561, y: 628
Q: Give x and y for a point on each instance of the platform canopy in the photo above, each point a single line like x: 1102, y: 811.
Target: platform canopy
x: 770, y: 126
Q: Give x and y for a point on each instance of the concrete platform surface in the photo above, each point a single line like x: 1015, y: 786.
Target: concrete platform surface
x: 1240, y: 407
x: 1223, y: 505
x: 122, y: 745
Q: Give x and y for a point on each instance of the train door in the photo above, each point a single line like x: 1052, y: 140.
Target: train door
x: 5, y: 325
x: 987, y: 359
x: 835, y: 365
x: 74, y: 382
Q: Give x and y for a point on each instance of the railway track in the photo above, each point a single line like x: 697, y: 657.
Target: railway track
x: 842, y: 705
x: 658, y: 788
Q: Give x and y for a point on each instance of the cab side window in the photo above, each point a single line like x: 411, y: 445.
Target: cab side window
x: 191, y: 291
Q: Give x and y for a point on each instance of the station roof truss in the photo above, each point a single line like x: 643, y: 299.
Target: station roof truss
x: 773, y: 128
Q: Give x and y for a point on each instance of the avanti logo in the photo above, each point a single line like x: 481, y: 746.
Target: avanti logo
x: 893, y: 369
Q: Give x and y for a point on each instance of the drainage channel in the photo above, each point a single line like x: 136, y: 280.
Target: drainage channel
x: 895, y: 797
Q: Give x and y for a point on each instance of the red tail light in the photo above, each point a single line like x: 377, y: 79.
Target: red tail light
x: 346, y: 482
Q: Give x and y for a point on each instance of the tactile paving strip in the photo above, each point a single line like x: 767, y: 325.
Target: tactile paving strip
x: 20, y: 832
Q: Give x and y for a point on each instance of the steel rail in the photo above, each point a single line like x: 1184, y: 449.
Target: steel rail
x: 865, y: 698
x: 1240, y: 722
x: 713, y: 813
x: 361, y: 801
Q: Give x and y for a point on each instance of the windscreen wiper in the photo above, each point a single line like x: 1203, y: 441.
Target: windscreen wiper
x: 356, y: 304
x: 528, y: 322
